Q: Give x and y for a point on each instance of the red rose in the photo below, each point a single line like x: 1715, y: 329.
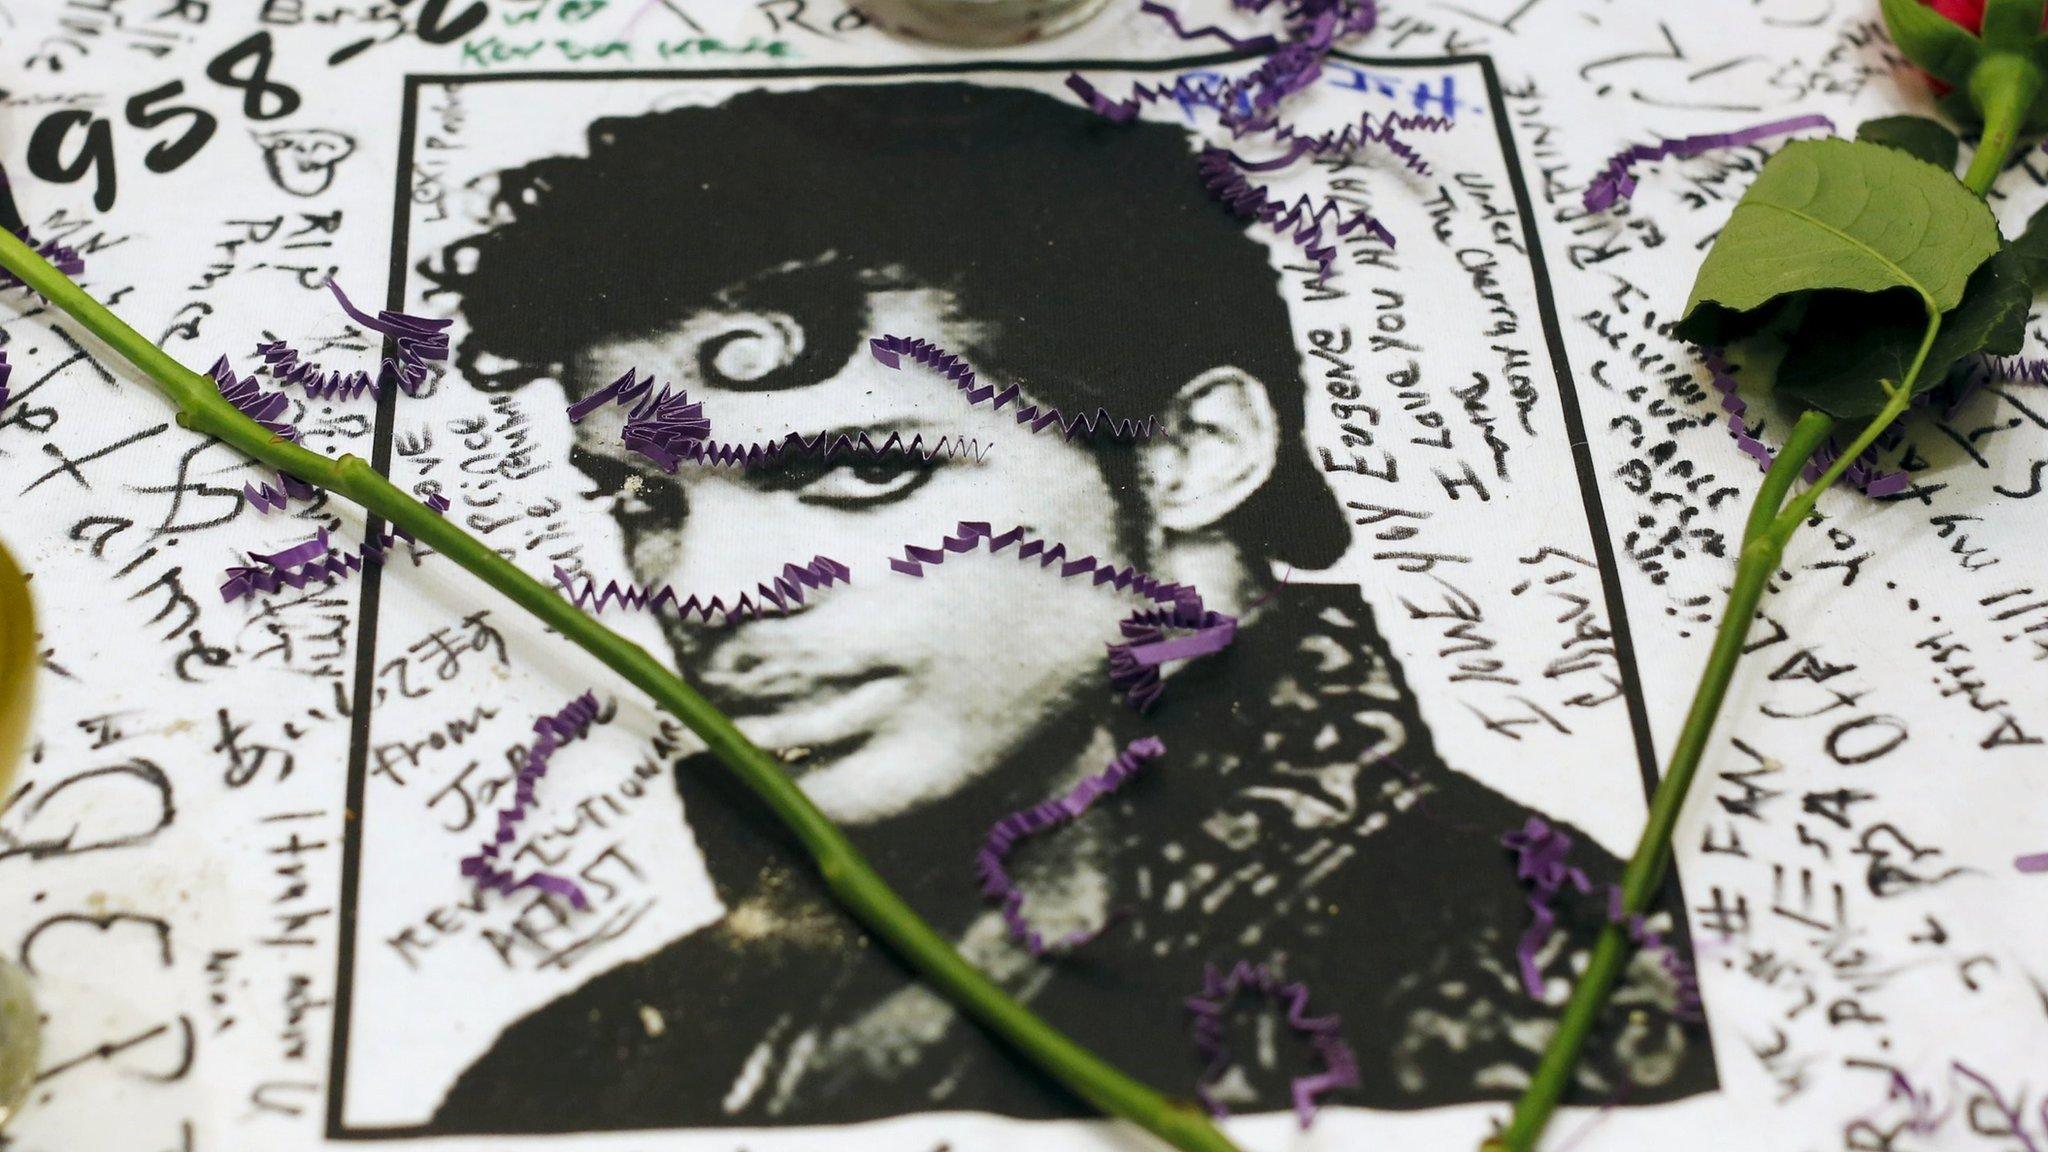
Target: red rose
x: 1968, y: 13
x: 1996, y: 51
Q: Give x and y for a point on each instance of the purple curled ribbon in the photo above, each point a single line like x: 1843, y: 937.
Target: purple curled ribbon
x: 417, y: 341
x: 2014, y: 369
x: 1186, y: 91
x: 286, y: 366
x: 716, y: 454
x: 1222, y: 175
x: 1323, y: 1033
x: 971, y: 533
x: 1864, y: 474
x: 661, y: 426
x: 1348, y: 139
x: 572, y: 723
x: 1251, y: 104
x: 777, y: 595
x: 265, y: 498
x: 1541, y: 852
x: 62, y: 257
x: 1617, y: 181
x: 296, y: 555
x: 891, y: 351
x: 1134, y: 664
x: 669, y: 429
x: 830, y: 444
x: 989, y: 862
x: 249, y: 398
x: 1240, y: 43
x: 314, y: 559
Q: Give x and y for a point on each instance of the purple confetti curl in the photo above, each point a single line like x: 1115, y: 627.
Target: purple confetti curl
x: 286, y: 366
x: 266, y: 499
x: 315, y: 559
x: 249, y: 398
x: 1133, y: 665
x: 1349, y: 139
x: 1319, y: 21
x: 2014, y: 369
x: 6, y: 370
x: 418, y: 342
x: 1863, y: 475
x: 712, y: 453
x: 1186, y: 91
x: 1227, y: 182
x: 417, y: 339
x: 1324, y: 1035
x: 660, y: 425
x: 971, y: 533
x: 1251, y: 104
x: 1240, y: 43
x: 892, y: 350
x: 861, y: 444
x: 2035, y: 863
x: 996, y: 884
x: 1617, y: 181
x: 297, y: 554
x: 572, y: 723
x: 777, y: 595
x: 62, y: 257
x: 1313, y: 28
x: 1540, y: 859
x: 668, y: 429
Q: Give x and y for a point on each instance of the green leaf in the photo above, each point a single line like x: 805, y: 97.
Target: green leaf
x: 17, y: 665
x: 1932, y: 40
x: 1850, y: 340
x: 2030, y: 248
x: 1916, y: 136
x: 1841, y: 214
x: 2011, y: 25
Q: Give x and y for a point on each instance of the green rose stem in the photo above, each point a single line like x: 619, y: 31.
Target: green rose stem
x: 2004, y: 87
x: 2005, y: 97
x: 847, y: 873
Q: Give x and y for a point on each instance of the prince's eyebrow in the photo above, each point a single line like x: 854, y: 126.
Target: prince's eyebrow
x: 914, y: 438
x: 911, y: 438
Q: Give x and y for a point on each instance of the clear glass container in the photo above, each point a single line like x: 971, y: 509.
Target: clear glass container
x: 979, y: 23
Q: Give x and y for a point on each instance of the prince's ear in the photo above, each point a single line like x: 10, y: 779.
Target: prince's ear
x: 1219, y: 448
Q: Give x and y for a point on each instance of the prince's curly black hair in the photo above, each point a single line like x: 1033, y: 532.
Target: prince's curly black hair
x: 1096, y: 270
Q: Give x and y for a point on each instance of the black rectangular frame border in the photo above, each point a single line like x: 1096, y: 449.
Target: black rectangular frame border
x: 1671, y: 895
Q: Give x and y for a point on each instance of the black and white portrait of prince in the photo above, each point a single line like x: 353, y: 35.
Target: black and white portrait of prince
x: 1301, y: 817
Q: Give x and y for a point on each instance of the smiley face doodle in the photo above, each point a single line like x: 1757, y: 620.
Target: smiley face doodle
x: 302, y: 161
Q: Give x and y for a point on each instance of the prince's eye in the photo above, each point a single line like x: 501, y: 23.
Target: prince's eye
x: 847, y: 480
